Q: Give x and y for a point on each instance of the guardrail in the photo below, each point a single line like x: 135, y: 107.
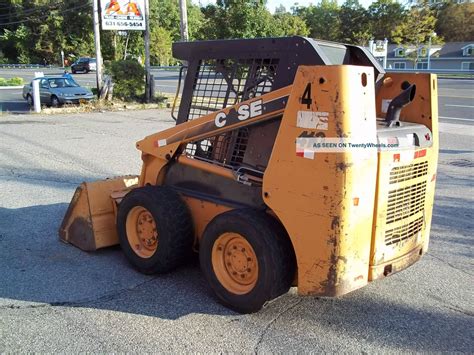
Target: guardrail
x: 26, y: 66
x: 469, y: 73
x: 36, y: 66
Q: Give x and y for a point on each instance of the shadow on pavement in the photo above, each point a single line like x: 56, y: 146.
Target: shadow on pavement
x: 37, y: 267
x: 393, y: 325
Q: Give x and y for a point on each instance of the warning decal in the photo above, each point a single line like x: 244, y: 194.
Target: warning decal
x: 312, y: 120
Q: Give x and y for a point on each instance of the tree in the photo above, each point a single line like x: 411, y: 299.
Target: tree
x: 416, y: 30
x: 384, y: 16
x: 322, y: 20
x: 160, y: 46
x: 165, y: 14
x: 456, y: 22
x: 287, y: 24
x: 418, y: 26
x: 355, y: 24
x: 238, y: 19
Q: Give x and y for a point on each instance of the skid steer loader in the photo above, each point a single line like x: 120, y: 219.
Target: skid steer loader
x: 241, y: 177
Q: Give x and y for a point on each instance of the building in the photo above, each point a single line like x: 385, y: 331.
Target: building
x: 450, y: 56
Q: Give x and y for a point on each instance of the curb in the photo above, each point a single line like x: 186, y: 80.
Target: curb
x: 10, y: 87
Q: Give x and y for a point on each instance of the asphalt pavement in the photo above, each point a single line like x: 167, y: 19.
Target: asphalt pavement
x: 57, y: 298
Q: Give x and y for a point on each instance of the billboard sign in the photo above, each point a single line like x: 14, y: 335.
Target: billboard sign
x: 123, y: 15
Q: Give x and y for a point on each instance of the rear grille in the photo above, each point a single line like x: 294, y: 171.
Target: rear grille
x: 396, y: 235
x: 408, y: 172
x: 405, y: 202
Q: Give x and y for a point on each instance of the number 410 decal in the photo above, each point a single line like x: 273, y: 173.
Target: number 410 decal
x: 306, y: 98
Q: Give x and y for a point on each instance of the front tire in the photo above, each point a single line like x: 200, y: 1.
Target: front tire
x: 155, y: 229
x: 55, y: 101
x: 247, y: 258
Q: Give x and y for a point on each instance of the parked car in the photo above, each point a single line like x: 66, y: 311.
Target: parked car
x: 58, y: 90
x: 84, y: 65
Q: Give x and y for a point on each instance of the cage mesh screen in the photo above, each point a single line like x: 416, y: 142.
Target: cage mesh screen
x: 224, y: 82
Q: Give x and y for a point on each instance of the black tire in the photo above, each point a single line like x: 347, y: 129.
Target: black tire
x: 55, y: 101
x: 274, y: 253
x: 174, y: 226
x: 73, y: 71
x: 29, y: 99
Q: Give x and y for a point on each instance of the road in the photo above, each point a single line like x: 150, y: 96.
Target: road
x: 12, y: 100
x: 456, y: 96
x: 56, y: 298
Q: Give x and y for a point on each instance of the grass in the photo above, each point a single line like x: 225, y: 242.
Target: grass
x: 11, y: 82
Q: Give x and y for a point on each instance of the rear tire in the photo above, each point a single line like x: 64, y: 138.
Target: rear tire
x: 155, y: 229
x: 247, y: 258
x: 29, y: 99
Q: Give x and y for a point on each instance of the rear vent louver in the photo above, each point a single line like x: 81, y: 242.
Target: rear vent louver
x: 396, y: 235
x: 405, y: 202
x: 408, y: 172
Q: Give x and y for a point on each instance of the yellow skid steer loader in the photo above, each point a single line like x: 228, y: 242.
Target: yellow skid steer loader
x: 292, y: 162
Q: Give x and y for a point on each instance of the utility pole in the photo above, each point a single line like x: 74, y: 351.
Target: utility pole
x: 98, y: 54
x: 184, y: 20
x: 147, y: 52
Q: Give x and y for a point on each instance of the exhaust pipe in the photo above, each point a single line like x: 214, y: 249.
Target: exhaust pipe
x: 395, y: 107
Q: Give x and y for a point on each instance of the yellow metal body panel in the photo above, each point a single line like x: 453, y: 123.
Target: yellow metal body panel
x: 315, y: 198
x: 203, y: 212
x: 404, y: 204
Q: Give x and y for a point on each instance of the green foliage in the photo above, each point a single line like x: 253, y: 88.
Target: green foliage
x: 384, y: 16
x: 238, y: 19
x: 354, y: 25
x: 35, y: 31
x: 16, y: 81
x: 323, y: 20
x: 129, y: 79
x: 418, y: 26
x: 160, y: 46
x: 456, y: 22
x: 287, y: 24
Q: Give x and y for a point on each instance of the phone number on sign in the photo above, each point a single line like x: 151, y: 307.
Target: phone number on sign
x: 125, y: 24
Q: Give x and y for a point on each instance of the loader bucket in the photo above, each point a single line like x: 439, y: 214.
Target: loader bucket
x: 89, y: 223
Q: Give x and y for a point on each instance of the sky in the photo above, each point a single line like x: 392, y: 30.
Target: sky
x: 272, y: 4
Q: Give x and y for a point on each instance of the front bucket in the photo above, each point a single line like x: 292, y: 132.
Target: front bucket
x: 89, y: 223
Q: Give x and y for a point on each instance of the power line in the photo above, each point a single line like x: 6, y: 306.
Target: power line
x: 24, y: 12
x: 32, y: 19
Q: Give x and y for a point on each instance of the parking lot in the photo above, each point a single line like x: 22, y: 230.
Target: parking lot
x: 56, y: 298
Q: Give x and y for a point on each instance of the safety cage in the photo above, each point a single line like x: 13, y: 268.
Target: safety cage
x: 219, y: 75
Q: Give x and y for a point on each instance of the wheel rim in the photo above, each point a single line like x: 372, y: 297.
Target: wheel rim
x: 141, y: 230
x: 235, y: 263
x: 30, y: 100
x: 54, y: 101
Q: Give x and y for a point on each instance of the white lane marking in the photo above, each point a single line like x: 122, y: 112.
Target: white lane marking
x: 468, y: 106
x: 459, y: 97
x: 166, y: 86
x: 456, y: 118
